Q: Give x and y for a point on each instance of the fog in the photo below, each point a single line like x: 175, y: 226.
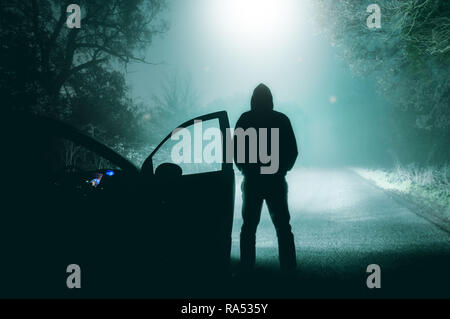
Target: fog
x: 363, y: 83
x: 224, y: 55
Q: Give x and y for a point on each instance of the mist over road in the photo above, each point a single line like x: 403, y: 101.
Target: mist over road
x: 342, y: 223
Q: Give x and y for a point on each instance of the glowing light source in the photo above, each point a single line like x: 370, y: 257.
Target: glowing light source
x: 333, y: 99
x: 257, y: 21
x: 247, y: 42
x: 95, y: 182
x: 110, y: 173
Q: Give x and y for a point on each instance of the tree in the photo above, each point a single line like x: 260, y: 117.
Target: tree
x: 177, y: 102
x: 75, y: 74
x: 409, y: 57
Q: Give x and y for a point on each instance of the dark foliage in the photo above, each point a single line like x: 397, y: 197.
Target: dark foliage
x: 76, y: 75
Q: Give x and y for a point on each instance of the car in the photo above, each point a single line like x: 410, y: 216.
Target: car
x: 132, y: 230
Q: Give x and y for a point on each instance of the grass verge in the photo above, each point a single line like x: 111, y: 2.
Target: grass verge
x: 426, y: 188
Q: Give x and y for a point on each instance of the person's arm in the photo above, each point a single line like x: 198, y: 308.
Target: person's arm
x: 292, y: 149
x: 238, y: 165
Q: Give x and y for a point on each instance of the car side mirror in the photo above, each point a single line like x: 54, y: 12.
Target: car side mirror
x: 168, y: 171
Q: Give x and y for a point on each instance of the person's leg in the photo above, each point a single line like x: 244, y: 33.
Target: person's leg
x: 251, y: 214
x: 277, y: 202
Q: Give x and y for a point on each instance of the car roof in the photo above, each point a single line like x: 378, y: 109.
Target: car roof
x: 31, y: 122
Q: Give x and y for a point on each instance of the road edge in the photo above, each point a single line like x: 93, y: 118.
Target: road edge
x: 416, y: 206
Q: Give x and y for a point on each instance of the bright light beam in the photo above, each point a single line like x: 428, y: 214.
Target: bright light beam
x: 256, y: 22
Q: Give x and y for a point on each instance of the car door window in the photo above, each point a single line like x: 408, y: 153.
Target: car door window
x: 196, y: 148
x: 57, y: 153
x: 72, y: 154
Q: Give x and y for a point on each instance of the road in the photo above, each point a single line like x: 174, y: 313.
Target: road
x: 342, y: 223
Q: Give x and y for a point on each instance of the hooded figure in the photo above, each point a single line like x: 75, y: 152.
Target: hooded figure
x: 262, y: 99
x: 260, y: 183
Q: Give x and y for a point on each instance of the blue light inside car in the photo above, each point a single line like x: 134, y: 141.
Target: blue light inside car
x: 109, y: 172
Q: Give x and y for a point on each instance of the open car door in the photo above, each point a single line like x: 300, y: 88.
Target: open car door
x: 193, y: 196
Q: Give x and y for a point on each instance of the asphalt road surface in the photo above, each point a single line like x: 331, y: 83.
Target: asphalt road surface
x: 342, y: 223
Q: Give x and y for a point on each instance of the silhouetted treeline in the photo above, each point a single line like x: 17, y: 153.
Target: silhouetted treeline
x: 409, y: 56
x: 77, y: 75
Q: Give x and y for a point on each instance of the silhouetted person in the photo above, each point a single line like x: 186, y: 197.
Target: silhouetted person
x: 272, y: 188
